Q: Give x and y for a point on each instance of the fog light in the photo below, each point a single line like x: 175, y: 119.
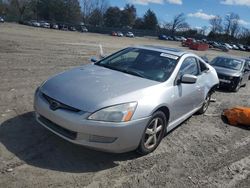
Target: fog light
x: 101, y: 139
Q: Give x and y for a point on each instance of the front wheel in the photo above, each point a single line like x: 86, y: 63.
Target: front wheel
x: 237, y: 87
x: 205, y: 105
x: 153, y: 133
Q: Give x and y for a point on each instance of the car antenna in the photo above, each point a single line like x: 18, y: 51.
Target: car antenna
x: 101, y: 54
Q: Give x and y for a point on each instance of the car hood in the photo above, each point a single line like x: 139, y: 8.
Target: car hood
x: 92, y: 87
x: 226, y: 71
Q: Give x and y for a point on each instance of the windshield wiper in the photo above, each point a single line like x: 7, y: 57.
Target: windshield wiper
x: 135, y: 73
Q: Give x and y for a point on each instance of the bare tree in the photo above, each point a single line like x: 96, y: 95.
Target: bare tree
x: 3, y: 7
x: 178, y: 23
x: 203, y: 30
x: 20, y: 6
x: 88, y: 6
x: 232, y: 26
x: 216, y: 24
x: 101, y: 5
x: 245, y: 32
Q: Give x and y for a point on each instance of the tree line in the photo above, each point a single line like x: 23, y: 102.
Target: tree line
x: 228, y: 28
x: 99, y: 13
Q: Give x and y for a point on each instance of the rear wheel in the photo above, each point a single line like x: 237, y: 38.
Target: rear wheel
x: 153, y: 133
x: 205, y: 105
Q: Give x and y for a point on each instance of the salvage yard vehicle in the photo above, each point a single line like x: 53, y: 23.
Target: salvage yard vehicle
x: 83, y: 29
x: 128, y: 100
x: 233, y: 72
x: 162, y: 37
x: 44, y: 24
x: 130, y: 34
x: 1, y: 20
x: 54, y: 26
x: 113, y: 33
x: 119, y: 34
x: 35, y: 23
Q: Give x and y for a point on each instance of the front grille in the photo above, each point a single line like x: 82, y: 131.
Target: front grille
x: 65, y: 132
x: 60, y: 105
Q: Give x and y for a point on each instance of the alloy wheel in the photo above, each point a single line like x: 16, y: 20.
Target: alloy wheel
x: 153, y: 133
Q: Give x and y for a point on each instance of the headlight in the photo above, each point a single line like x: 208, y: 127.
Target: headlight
x: 117, y: 113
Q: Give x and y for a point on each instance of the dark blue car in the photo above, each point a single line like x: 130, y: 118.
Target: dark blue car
x: 163, y: 37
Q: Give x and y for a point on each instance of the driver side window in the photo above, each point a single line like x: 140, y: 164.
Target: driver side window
x: 189, y: 66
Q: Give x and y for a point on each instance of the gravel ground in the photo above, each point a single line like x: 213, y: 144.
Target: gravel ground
x: 202, y: 152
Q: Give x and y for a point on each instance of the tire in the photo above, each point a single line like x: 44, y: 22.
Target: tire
x: 153, y: 134
x: 237, y: 87
x: 205, y: 105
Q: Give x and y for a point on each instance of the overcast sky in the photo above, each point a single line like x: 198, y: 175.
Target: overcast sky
x: 198, y: 12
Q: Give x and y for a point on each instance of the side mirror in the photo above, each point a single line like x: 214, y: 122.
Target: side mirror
x: 247, y: 69
x: 93, y: 59
x: 188, y: 79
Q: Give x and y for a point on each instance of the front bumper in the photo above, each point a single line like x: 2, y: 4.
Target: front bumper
x: 225, y: 82
x: 74, y: 127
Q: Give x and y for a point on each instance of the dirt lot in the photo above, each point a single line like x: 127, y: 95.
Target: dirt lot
x: 203, y: 152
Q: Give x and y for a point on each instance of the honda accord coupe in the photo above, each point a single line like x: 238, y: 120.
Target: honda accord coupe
x: 126, y: 101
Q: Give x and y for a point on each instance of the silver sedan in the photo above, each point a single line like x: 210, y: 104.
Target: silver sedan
x: 128, y: 100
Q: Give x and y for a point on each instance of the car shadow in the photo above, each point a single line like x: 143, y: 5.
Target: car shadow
x: 36, y: 146
x: 223, y: 90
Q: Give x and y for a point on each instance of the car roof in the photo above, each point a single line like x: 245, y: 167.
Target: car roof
x: 172, y: 51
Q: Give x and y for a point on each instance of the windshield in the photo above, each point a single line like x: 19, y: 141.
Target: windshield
x: 229, y: 63
x: 143, y: 63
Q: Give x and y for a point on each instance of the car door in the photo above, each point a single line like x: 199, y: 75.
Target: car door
x: 187, y: 96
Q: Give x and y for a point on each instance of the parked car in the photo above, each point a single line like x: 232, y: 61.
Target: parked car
x: 212, y: 44
x: 170, y: 38
x: 133, y: 98
x: 217, y: 45
x: 1, y: 20
x: 247, y: 48
x: 63, y: 27
x: 162, y: 37
x: 54, y: 26
x: 228, y: 46
x: 83, y: 28
x: 241, y: 47
x: 188, y: 42
x: 130, y: 34
x: 176, y: 38
x: 223, y: 47
x: 183, y: 38
x: 119, y: 34
x: 44, y: 24
x: 235, y: 47
x: 233, y: 72
x: 72, y: 28
x: 113, y: 33
x: 35, y: 23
